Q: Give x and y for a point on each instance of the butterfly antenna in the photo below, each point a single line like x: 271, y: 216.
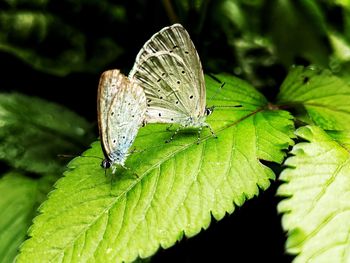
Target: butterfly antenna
x: 96, y: 157
x: 218, y: 90
x: 229, y: 106
x: 214, y: 78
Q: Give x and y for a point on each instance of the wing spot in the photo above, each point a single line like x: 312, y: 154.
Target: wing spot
x: 159, y: 114
x: 149, y: 100
x: 163, y: 74
x: 133, y: 116
x: 159, y: 80
x: 161, y: 97
x: 178, y: 82
x: 183, y: 72
x: 148, y: 105
x: 123, y: 137
x: 175, y: 47
x: 113, y: 141
x: 159, y: 90
x: 112, y: 113
x: 172, y: 119
x: 186, y: 52
x: 191, y: 97
x: 177, y: 102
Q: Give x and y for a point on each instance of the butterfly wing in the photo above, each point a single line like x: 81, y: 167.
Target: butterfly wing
x: 169, y: 69
x: 121, y: 107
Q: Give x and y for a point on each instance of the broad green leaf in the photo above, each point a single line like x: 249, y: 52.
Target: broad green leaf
x: 20, y: 196
x: 344, y: 3
x: 33, y: 132
x: 324, y: 96
x: 300, y: 31
x: 170, y: 190
x: 340, y: 46
x: 342, y: 137
x: 317, y: 187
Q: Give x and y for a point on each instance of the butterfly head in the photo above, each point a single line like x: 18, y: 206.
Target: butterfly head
x: 117, y: 158
x: 106, y: 163
x: 208, y: 111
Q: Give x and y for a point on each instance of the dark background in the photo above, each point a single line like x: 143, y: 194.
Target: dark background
x: 252, y: 232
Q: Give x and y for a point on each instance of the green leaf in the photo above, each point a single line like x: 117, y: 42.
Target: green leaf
x: 170, y: 190
x: 324, y: 96
x: 317, y: 184
x: 20, y: 196
x: 342, y: 137
x: 33, y: 132
x: 340, y: 47
x: 300, y: 31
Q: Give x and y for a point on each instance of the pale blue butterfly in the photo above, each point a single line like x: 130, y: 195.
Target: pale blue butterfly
x: 169, y: 70
x: 121, y: 106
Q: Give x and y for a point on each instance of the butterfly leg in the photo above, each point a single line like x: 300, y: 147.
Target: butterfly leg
x: 134, y: 150
x: 211, y: 130
x: 114, y: 168
x: 168, y: 128
x: 199, y: 134
x: 172, y: 136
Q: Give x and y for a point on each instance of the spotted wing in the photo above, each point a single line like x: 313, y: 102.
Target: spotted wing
x: 169, y: 69
x: 121, y: 107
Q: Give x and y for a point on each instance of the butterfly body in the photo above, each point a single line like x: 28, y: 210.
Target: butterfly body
x: 121, y: 111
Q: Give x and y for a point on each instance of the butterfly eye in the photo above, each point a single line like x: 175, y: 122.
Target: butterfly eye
x: 105, y: 164
x: 208, y: 111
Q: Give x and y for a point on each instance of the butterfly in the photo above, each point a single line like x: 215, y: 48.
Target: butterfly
x: 121, y: 107
x: 169, y: 70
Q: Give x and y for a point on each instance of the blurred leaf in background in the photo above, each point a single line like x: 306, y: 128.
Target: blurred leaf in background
x: 33, y: 132
x: 60, y: 38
